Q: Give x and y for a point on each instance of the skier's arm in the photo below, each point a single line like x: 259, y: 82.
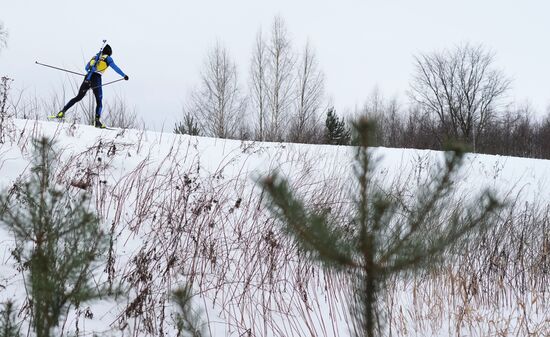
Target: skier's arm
x: 88, y: 66
x: 112, y: 64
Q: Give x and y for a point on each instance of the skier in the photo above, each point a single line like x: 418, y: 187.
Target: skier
x: 95, y: 68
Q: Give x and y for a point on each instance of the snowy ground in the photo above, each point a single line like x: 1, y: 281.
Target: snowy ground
x: 185, y: 209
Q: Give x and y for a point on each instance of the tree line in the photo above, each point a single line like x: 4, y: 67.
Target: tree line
x: 286, y: 93
x: 455, y: 94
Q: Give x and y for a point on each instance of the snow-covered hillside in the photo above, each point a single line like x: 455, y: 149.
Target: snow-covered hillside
x: 188, y: 210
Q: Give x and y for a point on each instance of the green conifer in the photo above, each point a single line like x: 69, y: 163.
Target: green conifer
x: 188, y: 321
x: 8, y: 327
x: 336, y: 132
x: 189, y: 126
x: 59, y: 241
x: 390, y: 234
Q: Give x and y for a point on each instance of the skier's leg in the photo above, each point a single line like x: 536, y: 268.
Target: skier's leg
x: 84, y: 87
x: 98, y: 93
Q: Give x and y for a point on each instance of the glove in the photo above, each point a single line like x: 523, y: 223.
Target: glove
x: 126, y: 77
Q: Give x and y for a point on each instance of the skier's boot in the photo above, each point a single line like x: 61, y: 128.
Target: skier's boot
x: 60, y: 114
x: 98, y: 124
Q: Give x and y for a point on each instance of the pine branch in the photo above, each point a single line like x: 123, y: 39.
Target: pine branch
x: 310, y: 231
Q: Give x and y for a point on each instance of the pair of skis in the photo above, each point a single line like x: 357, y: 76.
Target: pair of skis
x: 63, y: 119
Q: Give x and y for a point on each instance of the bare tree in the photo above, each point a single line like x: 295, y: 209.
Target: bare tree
x: 306, y: 126
x: 373, y: 109
x: 3, y: 36
x: 385, y: 113
x: 543, y: 136
x: 374, y: 104
x: 5, y: 120
x: 258, y: 90
x: 394, y: 128
x: 120, y: 115
x: 279, y: 80
x: 4, y: 86
x: 218, y: 100
x: 460, y: 87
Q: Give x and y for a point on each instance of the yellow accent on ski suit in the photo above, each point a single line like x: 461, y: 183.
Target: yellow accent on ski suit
x: 102, y: 64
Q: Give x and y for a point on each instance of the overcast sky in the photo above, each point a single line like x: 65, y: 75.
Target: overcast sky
x: 360, y: 44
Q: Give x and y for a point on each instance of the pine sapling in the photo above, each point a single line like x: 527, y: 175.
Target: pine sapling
x: 8, y: 327
x: 60, y: 242
x: 391, y: 235
x: 188, y: 322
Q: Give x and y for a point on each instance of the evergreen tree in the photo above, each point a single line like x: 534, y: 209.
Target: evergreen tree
x: 390, y: 234
x: 59, y: 242
x: 188, y: 321
x: 7, y: 326
x: 189, y: 126
x: 336, y: 132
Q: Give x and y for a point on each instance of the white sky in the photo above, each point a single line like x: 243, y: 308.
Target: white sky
x: 360, y: 43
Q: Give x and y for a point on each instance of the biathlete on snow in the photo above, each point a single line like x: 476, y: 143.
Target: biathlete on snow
x: 94, y: 70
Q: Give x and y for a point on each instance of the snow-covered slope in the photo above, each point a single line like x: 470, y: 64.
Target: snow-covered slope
x: 185, y: 209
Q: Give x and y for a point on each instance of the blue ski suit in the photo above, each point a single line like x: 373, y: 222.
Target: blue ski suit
x: 94, y: 69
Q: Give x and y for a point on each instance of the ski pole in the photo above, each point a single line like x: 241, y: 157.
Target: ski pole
x: 49, y: 66
x: 120, y: 79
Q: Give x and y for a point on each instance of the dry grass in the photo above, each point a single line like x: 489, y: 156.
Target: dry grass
x: 172, y: 221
